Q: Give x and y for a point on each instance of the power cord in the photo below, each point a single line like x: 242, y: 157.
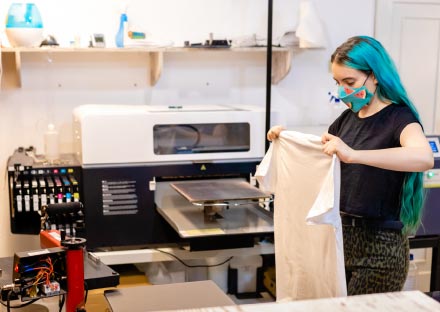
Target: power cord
x: 8, y: 301
x: 61, y: 300
x: 86, y: 287
x: 196, y: 265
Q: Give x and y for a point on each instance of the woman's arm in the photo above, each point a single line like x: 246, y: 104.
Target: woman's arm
x: 415, y: 155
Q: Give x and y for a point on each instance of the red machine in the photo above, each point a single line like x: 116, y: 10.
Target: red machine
x: 74, y: 247
x: 75, y: 273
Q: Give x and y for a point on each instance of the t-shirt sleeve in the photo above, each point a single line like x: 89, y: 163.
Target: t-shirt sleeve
x: 404, y: 116
x: 336, y: 125
x: 332, y: 128
x: 266, y: 174
x: 325, y: 209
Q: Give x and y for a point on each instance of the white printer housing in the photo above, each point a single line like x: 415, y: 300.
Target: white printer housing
x: 116, y: 134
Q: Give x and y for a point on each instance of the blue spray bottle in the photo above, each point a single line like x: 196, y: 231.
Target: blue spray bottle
x: 121, y: 32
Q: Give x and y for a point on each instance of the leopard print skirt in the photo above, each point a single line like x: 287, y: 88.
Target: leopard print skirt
x: 376, y: 260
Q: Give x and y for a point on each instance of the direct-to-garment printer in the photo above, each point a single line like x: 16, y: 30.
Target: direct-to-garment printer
x: 158, y: 174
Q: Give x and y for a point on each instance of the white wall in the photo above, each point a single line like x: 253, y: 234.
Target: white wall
x: 52, y: 85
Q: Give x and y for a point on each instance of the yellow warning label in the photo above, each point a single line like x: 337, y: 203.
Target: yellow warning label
x: 198, y: 232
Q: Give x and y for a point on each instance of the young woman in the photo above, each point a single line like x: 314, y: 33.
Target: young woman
x: 383, y: 153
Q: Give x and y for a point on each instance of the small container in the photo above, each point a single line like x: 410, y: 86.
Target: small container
x: 411, y: 279
x: 51, y: 143
x: 246, y: 268
x: 218, y: 273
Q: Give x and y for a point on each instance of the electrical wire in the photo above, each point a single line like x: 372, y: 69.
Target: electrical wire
x: 8, y: 302
x: 195, y: 265
x: 8, y: 306
x: 61, y: 300
x: 45, y: 270
x: 86, y: 287
x: 33, y: 275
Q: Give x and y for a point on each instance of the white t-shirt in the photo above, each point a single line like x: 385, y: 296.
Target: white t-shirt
x: 309, y: 254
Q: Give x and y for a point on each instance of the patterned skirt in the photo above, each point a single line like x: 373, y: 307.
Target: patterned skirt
x: 376, y: 260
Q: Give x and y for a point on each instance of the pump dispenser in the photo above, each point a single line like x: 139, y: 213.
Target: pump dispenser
x: 51, y: 149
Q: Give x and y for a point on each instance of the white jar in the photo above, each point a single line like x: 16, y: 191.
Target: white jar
x: 51, y: 144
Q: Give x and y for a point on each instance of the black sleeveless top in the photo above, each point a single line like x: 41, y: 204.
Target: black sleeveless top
x: 368, y: 191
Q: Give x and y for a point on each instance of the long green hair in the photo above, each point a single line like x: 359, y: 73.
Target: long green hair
x: 368, y: 55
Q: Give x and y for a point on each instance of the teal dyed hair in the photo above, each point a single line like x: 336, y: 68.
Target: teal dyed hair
x: 368, y: 55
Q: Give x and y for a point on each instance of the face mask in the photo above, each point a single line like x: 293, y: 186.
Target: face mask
x: 355, y: 98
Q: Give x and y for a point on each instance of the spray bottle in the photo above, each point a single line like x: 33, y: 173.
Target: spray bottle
x: 122, y: 33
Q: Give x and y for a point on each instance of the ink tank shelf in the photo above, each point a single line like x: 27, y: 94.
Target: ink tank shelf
x: 12, y: 59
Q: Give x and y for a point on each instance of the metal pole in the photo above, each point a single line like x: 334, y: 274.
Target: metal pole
x: 268, y: 69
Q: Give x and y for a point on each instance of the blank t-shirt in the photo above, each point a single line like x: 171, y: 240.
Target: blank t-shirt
x: 309, y: 255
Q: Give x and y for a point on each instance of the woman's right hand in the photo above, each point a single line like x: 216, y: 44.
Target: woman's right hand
x: 274, y: 132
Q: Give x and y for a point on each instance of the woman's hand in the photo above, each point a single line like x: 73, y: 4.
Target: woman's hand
x: 274, y: 132
x: 334, y: 145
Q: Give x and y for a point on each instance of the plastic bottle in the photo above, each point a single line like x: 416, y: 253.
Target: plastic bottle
x: 411, y: 279
x: 120, y: 35
x: 51, y: 149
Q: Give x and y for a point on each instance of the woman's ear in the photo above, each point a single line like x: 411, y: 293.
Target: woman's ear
x: 374, y: 78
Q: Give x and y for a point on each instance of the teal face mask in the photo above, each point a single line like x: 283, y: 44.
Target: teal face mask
x: 355, y: 98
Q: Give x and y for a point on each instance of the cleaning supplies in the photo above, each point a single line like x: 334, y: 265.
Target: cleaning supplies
x: 136, y: 35
x: 121, y: 32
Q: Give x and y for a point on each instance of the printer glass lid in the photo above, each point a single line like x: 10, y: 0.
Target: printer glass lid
x: 201, y: 138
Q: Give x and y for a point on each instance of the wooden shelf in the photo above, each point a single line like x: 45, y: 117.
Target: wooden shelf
x: 11, y: 59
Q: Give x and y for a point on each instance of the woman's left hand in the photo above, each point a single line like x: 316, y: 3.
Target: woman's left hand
x: 334, y: 145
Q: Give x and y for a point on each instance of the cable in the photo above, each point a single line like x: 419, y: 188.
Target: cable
x: 194, y: 266
x: 8, y: 302
x: 61, y: 300
x: 8, y: 306
x: 86, y: 292
x: 33, y: 276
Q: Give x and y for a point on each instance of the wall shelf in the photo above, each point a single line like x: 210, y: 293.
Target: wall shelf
x: 11, y: 59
